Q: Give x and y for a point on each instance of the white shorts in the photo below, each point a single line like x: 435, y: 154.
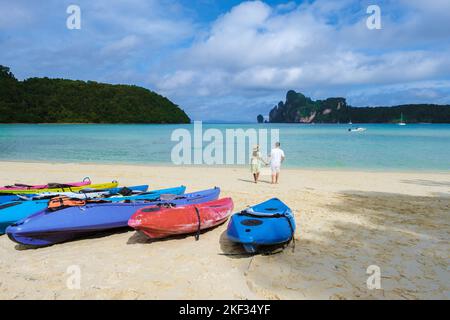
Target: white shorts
x: 275, y: 168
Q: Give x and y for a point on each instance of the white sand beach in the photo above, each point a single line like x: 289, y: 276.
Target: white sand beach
x: 347, y: 221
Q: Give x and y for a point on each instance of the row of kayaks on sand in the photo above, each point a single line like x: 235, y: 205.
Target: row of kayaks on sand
x: 43, y: 215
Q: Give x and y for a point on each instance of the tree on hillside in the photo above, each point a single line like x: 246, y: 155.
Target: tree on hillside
x: 38, y: 100
x: 6, y: 73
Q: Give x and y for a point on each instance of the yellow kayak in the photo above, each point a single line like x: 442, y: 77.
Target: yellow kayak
x: 109, y: 185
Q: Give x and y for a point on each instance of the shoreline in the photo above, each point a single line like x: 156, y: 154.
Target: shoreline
x: 345, y: 223
x: 285, y: 168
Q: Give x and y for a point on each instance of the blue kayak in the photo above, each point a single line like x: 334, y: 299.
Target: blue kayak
x: 4, y: 198
x: 265, y: 224
x: 45, y: 227
x: 14, y: 211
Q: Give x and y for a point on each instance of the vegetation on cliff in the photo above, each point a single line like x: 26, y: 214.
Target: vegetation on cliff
x: 44, y: 100
x: 301, y: 109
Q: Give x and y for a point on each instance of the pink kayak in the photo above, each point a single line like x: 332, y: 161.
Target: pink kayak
x: 18, y: 186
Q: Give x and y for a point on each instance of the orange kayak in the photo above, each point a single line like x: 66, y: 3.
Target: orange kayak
x: 160, y: 222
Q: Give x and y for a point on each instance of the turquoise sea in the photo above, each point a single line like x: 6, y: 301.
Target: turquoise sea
x: 381, y: 147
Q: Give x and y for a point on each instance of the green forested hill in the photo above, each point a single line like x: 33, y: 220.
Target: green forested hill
x: 44, y: 100
x: 301, y: 109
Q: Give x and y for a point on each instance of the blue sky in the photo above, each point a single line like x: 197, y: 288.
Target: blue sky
x: 231, y: 60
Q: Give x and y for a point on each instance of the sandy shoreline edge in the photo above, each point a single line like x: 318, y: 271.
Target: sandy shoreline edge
x: 285, y: 168
x: 347, y: 221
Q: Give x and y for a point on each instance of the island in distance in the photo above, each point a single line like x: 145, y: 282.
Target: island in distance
x: 301, y: 109
x: 44, y: 100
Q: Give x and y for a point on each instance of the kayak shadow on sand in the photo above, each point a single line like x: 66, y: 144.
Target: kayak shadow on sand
x: 237, y: 251
x: 231, y: 249
x: 94, y: 235
x: 139, y: 237
x: 23, y: 247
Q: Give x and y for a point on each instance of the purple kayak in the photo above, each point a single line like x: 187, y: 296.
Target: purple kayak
x: 46, y: 228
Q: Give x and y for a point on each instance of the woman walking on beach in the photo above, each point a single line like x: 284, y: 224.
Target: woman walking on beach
x: 255, y: 163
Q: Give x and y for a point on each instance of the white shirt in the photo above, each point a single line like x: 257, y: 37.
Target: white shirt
x: 275, y: 157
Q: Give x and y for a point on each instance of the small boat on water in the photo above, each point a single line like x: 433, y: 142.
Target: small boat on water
x: 402, y: 123
x: 266, y: 224
x: 359, y: 129
x: 158, y: 222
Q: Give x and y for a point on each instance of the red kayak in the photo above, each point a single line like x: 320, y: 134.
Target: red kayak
x: 160, y: 222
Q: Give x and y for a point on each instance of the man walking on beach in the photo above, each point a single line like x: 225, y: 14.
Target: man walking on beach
x: 276, y: 158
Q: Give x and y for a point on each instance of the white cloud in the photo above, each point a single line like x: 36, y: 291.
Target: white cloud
x: 435, y: 91
x: 247, y: 58
x: 180, y: 78
x: 118, y: 41
x: 157, y: 21
x: 255, y: 47
x: 123, y: 45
